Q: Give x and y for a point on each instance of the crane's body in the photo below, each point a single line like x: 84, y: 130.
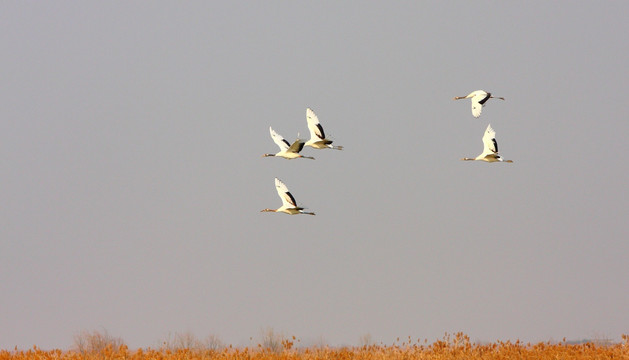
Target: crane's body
x: 289, y: 205
x: 287, y: 151
x: 490, y: 148
x: 479, y: 98
x: 317, y: 135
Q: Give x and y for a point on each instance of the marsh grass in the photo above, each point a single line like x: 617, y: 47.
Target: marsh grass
x: 457, y: 346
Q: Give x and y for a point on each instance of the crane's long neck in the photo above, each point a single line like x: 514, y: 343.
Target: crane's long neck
x: 268, y: 210
x: 468, y: 159
x: 266, y: 155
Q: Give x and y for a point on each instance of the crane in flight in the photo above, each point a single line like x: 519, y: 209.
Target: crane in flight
x: 490, y: 150
x: 479, y: 98
x: 317, y: 135
x: 289, y: 205
x: 287, y: 151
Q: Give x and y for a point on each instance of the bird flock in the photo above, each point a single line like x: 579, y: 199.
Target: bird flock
x: 288, y: 151
x: 490, y: 145
x: 318, y: 140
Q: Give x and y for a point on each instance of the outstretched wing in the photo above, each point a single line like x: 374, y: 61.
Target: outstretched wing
x: 287, y: 198
x: 316, y: 130
x: 297, y: 146
x: 477, y: 108
x: 479, y: 97
x: 279, y: 140
x: 489, y: 141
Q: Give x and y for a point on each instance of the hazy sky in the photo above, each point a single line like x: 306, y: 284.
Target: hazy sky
x: 131, y: 136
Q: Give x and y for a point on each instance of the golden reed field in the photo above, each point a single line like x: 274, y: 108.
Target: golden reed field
x: 457, y: 346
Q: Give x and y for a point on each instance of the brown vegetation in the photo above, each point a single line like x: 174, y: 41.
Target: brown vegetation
x: 450, y: 347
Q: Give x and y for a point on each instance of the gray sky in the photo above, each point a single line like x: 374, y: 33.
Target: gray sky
x: 132, y: 181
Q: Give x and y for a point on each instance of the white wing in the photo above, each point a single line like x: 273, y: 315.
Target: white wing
x: 478, y: 101
x: 477, y: 108
x: 489, y: 141
x: 316, y: 130
x: 287, y: 198
x: 279, y: 140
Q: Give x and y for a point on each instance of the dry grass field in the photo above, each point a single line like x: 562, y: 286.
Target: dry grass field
x: 457, y: 346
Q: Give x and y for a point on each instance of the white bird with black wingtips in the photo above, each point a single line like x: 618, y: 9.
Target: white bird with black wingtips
x: 317, y: 135
x: 479, y: 98
x: 490, y: 151
x: 289, y: 205
x: 287, y: 151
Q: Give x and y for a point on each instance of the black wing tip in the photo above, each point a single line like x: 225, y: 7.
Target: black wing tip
x: 300, y: 146
x: 292, y: 198
x: 321, y: 134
